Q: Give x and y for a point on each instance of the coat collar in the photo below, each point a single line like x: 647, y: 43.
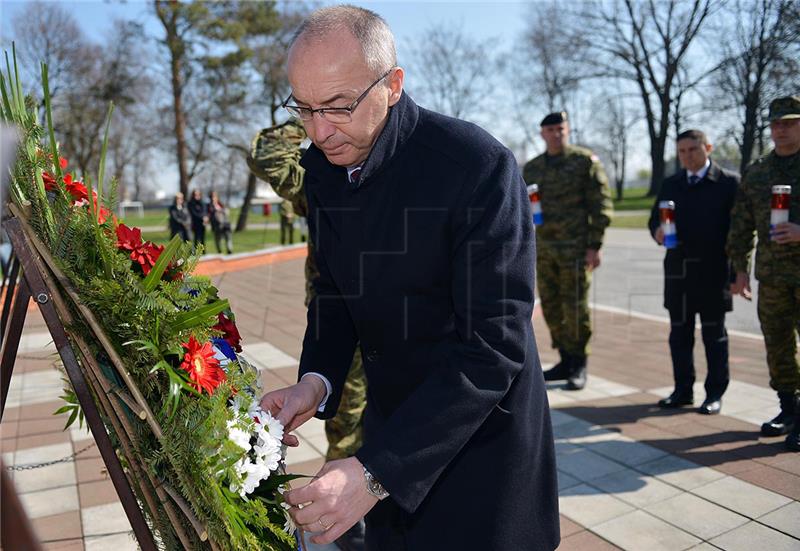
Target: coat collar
x: 402, y: 121
x: 713, y: 175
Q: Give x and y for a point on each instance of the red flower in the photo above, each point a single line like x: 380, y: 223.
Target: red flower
x: 62, y: 163
x: 128, y: 239
x: 204, y: 369
x: 229, y: 332
x: 146, y: 255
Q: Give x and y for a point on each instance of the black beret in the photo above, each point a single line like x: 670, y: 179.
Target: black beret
x: 554, y: 118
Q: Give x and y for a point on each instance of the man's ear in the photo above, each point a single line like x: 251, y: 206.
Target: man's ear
x: 395, y: 85
x: 709, y: 148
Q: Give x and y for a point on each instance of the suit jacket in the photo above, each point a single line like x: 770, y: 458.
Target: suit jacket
x: 429, y: 264
x: 697, y: 272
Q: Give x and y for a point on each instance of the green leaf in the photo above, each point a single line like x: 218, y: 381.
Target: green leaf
x: 71, y: 418
x: 151, y: 281
x: 63, y: 409
x: 193, y: 318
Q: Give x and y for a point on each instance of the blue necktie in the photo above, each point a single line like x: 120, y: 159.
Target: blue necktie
x: 693, y: 179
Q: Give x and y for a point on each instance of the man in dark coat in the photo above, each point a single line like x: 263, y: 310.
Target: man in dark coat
x: 426, y: 254
x: 697, y: 271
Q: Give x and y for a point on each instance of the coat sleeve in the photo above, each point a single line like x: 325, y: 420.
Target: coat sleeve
x: 330, y: 340
x: 655, y: 216
x: 742, y: 233
x: 599, y: 204
x: 492, y: 262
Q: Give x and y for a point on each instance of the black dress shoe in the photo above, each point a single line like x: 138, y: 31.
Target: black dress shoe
x: 710, y: 407
x: 561, y: 370
x: 353, y: 539
x: 676, y: 400
x: 577, y: 376
x: 793, y: 439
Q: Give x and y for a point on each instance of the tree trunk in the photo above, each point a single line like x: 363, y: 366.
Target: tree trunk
x: 657, y: 159
x: 241, y: 224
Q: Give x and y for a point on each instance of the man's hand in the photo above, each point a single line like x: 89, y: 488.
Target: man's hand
x: 786, y: 232
x: 333, y: 502
x: 294, y: 405
x: 592, y: 259
x: 742, y: 286
x: 659, y: 235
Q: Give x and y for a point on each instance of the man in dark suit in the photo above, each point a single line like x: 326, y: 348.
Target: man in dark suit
x: 426, y: 254
x: 697, y: 270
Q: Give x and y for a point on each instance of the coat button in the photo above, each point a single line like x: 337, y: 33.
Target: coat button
x: 372, y: 355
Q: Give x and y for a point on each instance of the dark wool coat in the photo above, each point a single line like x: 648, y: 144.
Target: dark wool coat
x: 697, y: 272
x: 429, y: 264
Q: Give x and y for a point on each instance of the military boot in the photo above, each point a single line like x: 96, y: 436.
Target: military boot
x: 785, y: 420
x: 793, y: 440
x: 561, y: 370
x: 577, y: 374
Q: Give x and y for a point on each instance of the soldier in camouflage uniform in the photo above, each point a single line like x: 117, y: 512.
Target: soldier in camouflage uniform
x: 777, y: 261
x: 576, y: 209
x: 274, y: 157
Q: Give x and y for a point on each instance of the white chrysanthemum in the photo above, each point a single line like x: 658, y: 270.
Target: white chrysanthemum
x: 238, y: 436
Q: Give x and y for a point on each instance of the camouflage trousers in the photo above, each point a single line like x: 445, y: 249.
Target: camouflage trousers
x: 345, y: 430
x: 563, y: 283
x: 779, y: 314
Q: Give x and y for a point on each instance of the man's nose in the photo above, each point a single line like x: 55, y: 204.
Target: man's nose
x: 323, y: 129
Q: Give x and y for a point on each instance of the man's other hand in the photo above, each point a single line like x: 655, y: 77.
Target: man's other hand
x: 592, y: 259
x: 786, y: 233
x: 742, y: 286
x: 294, y: 405
x: 659, y: 235
x: 333, y: 502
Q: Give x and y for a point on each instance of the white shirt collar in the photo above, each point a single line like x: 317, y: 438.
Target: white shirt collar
x: 700, y: 173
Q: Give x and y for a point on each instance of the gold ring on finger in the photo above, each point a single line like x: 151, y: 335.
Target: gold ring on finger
x: 324, y: 526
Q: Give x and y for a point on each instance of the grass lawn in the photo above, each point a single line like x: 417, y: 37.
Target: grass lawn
x: 248, y: 240
x: 638, y: 221
x: 158, y: 217
x: 634, y: 199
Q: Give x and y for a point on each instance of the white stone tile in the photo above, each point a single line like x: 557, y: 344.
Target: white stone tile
x: 565, y: 447
x: 747, y: 499
x: 117, y: 542
x: 556, y: 398
x: 80, y: 434
x: 34, y: 387
x: 786, y: 519
x: 558, y: 418
x: 108, y: 518
x: 680, y: 472
x: 42, y: 453
x: 577, y: 429
x: 610, y: 388
x: 638, y: 530
x: 635, y: 488
x: 263, y: 355
x: 697, y: 516
x: 593, y: 435
x: 753, y: 536
x: 50, y: 502
x: 52, y: 476
x: 566, y: 481
x: 303, y: 452
x: 753, y: 416
x: 36, y: 342
x: 319, y: 442
x: 704, y: 547
x: 588, y: 506
x: 586, y: 465
x: 626, y: 451
x: 312, y: 427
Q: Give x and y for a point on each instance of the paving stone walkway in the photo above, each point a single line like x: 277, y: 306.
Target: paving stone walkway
x: 631, y: 476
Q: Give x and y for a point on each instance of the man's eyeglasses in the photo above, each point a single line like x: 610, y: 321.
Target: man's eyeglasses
x: 336, y: 115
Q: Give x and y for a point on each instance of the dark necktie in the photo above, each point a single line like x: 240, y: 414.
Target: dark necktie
x: 693, y: 179
x: 355, y: 175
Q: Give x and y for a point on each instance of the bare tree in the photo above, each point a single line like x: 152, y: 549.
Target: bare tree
x: 456, y: 72
x: 759, y: 63
x: 614, y: 122
x: 646, y: 43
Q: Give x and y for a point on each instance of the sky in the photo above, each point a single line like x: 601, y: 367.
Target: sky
x: 503, y: 22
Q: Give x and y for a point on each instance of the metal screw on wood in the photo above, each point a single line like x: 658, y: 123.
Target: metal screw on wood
x: 42, y: 298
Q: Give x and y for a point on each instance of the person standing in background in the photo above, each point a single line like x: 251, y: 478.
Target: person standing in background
x: 219, y: 217
x: 180, y: 221
x: 198, y: 213
x: 697, y: 271
x: 777, y: 266
x: 576, y: 210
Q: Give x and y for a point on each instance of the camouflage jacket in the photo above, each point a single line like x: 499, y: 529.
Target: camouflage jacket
x: 751, y: 214
x: 275, y: 158
x: 576, y: 204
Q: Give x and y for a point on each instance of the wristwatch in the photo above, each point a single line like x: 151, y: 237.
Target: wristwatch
x: 374, y: 487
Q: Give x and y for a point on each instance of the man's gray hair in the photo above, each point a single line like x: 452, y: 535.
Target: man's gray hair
x: 369, y: 28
